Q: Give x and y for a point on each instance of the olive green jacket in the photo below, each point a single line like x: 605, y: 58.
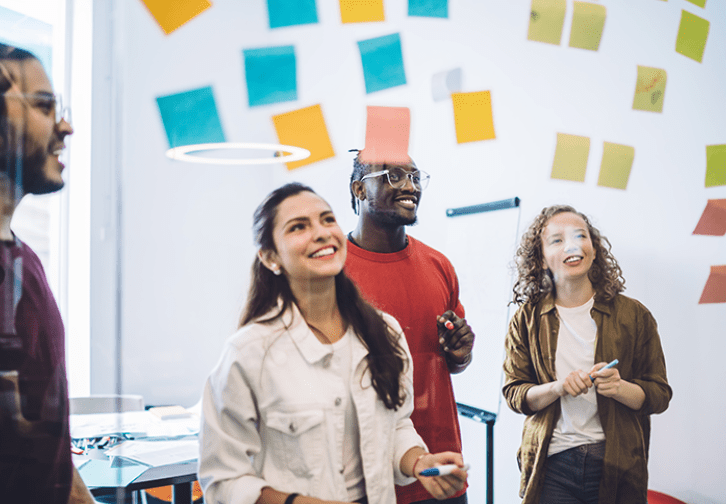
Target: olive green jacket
x: 626, y: 331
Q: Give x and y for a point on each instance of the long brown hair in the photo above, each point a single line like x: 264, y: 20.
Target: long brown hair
x: 386, y: 358
x: 534, y: 281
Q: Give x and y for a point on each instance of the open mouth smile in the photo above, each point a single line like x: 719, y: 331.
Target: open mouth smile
x: 324, y: 252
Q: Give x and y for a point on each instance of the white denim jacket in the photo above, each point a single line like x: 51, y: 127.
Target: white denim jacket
x: 272, y: 416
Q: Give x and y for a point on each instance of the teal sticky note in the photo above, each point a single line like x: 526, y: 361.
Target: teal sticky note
x: 191, y: 117
x: 271, y: 75
x: 429, y: 8
x: 291, y: 12
x: 382, y: 62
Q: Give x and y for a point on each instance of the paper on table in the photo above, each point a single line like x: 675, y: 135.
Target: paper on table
x: 713, y: 219
x: 546, y: 19
x: 171, y: 14
x: 156, y: 453
x: 715, y: 289
x: 387, y: 135
x: 101, y: 474
x: 130, y: 423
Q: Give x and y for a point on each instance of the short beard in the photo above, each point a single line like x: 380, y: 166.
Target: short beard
x: 34, y: 179
x: 389, y: 218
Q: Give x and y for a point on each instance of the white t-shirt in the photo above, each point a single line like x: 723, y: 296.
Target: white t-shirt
x: 579, y: 422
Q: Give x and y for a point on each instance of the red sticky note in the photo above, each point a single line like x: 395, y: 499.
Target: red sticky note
x: 387, y: 134
x: 713, y: 219
x: 715, y: 289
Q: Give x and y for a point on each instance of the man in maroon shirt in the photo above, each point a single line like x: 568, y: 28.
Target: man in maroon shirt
x: 35, y: 457
x: 418, y: 286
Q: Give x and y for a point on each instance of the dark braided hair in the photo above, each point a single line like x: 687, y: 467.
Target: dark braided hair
x: 359, y: 170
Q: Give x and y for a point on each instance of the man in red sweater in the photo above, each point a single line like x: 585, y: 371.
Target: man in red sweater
x: 418, y: 286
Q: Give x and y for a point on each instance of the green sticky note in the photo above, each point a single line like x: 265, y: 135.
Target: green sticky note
x: 571, y: 157
x: 588, y: 21
x: 700, y: 3
x: 546, y: 19
x: 715, y: 165
x: 617, y: 160
x: 692, y: 35
x: 650, y: 89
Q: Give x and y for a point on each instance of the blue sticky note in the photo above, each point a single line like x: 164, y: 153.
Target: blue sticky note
x: 429, y: 8
x: 382, y: 62
x: 291, y: 12
x: 271, y: 75
x: 190, y: 117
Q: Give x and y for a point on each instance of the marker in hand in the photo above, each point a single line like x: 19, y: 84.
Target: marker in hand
x: 608, y: 366
x: 442, y: 470
x: 449, y: 325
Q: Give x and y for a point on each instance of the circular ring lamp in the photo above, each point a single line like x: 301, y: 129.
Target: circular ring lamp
x: 182, y: 153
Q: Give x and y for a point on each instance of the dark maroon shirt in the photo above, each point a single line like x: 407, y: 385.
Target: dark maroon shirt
x: 35, y: 467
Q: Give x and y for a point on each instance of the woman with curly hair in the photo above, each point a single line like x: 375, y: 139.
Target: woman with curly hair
x: 587, y: 430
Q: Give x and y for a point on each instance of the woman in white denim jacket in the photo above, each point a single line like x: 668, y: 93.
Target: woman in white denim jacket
x: 310, y: 402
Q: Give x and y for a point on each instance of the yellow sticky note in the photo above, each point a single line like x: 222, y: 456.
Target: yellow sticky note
x: 617, y: 160
x: 692, y: 36
x: 715, y: 165
x: 171, y: 14
x: 473, y: 116
x: 588, y: 21
x: 546, y: 18
x: 650, y: 89
x: 571, y: 157
x: 361, y: 11
x: 700, y: 3
x: 304, y: 128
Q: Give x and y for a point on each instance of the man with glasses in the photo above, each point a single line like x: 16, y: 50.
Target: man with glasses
x: 418, y: 286
x: 35, y: 456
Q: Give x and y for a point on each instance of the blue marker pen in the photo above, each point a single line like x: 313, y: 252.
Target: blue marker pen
x: 442, y: 470
x: 605, y: 367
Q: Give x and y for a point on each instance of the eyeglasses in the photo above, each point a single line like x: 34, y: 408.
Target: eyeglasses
x: 397, y: 178
x: 47, y: 103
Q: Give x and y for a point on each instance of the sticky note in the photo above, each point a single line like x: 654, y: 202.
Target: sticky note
x: 617, y: 160
x: 171, y: 14
x: 700, y: 3
x: 382, y: 62
x: 713, y: 219
x: 291, y: 12
x: 715, y: 289
x: 387, y: 135
x: 271, y: 75
x: 473, y: 116
x: 429, y: 8
x: 650, y: 89
x: 715, y: 165
x: 571, y: 157
x: 304, y: 128
x: 546, y: 19
x: 361, y: 11
x: 692, y: 35
x: 445, y: 83
x: 190, y: 117
x: 588, y: 21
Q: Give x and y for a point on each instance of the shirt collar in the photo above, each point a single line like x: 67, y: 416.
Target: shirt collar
x: 548, y: 305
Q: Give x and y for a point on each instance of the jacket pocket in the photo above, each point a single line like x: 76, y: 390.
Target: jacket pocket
x: 298, y: 438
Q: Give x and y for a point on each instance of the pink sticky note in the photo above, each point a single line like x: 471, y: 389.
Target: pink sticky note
x: 715, y: 289
x: 713, y: 219
x: 387, y: 132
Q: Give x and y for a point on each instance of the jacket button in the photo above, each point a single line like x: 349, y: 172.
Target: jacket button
x: 293, y: 427
x: 338, y: 400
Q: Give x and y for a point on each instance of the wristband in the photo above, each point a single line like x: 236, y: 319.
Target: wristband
x: 291, y: 498
x: 413, y: 470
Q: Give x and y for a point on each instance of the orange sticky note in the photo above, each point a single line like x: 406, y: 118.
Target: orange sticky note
x: 171, y: 14
x: 713, y: 219
x: 304, y: 128
x: 361, y: 11
x: 387, y: 135
x: 715, y: 289
x: 473, y: 116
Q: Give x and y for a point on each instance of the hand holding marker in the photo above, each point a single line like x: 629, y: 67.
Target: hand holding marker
x: 604, y: 367
x: 442, y: 470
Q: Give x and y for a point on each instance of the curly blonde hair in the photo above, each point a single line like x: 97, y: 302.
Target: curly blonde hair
x: 534, y: 281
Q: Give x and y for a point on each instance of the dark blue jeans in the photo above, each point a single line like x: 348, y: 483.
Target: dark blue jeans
x: 573, y: 476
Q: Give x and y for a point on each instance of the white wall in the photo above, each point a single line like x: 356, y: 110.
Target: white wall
x: 185, y: 242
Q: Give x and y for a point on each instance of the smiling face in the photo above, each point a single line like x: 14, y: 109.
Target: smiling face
x: 387, y: 206
x: 567, y: 248
x: 309, y: 243
x: 31, y: 117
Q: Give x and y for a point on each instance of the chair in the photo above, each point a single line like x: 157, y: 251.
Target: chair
x: 661, y: 498
x: 105, y: 404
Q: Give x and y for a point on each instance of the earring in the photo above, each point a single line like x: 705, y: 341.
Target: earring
x: 275, y: 269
